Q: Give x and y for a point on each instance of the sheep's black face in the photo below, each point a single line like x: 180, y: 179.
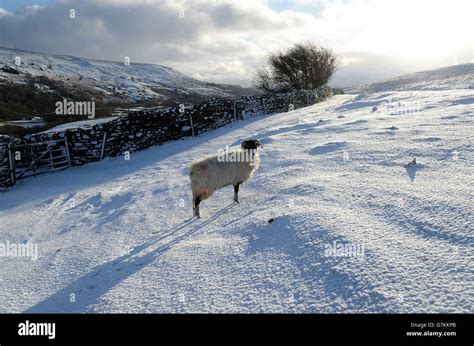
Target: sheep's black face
x: 251, y: 144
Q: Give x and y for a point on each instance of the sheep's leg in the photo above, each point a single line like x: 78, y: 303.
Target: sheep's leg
x: 197, y: 201
x: 236, y: 193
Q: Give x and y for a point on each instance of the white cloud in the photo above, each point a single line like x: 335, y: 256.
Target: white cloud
x: 420, y: 28
x: 224, y: 41
x: 32, y: 9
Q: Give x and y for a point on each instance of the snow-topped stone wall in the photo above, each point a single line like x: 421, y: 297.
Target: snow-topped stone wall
x: 5, y: 179
x: 142, y: 129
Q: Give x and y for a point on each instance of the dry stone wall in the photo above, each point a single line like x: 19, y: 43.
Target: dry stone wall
x: 142, y: 129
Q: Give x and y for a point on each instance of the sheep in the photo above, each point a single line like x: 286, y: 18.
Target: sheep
x: 229, y: 167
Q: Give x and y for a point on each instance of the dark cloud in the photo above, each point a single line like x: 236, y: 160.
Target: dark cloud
x: 108, y: 29
x: 184, y: 34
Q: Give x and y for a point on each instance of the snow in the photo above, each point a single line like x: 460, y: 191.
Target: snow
x: 24, y: 123
x: 136, y: 81
x: 446, y: 78
x: 80, y: 124
x: 118, y: 236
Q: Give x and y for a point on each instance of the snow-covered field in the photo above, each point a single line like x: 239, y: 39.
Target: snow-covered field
x: 445, y: 78
x: 117, y: 236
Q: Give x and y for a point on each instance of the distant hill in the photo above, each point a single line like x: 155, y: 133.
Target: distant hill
x: 111, y: 80
x: 31, y: 84
x: 451, y: 77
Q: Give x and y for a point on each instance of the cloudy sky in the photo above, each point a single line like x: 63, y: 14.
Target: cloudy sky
x: 225, y: 41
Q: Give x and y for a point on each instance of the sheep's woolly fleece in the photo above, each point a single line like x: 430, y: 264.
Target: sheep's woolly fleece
x: 226, y: 167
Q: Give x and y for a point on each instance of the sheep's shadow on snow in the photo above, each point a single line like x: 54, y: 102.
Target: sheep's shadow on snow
x: 87, y: 290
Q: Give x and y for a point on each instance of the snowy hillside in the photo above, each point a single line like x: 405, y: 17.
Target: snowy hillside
x: 451, y: 77
x: 117, y: 236
x: 113, y: 79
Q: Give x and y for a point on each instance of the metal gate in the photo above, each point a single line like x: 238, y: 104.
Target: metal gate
x: 31, y: 159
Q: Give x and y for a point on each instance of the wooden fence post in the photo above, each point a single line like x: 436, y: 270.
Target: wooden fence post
x: 102, y: 149
x: 192, y: 124
x: 66, y: 146
x: 264, y: 107
x: 11, y: 162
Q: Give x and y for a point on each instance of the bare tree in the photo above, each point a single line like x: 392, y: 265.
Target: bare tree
x: 303, y: 66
